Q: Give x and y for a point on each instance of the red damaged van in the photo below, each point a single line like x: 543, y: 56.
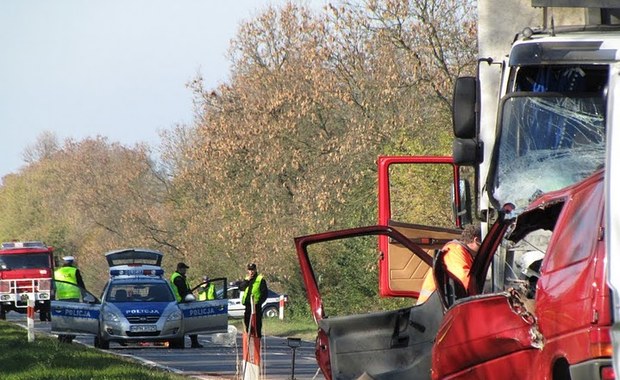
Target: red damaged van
x: 537, y: 305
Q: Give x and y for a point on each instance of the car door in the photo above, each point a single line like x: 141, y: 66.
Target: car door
x: 392, y: 344
x: 76, y: 316
x: 207, y: 316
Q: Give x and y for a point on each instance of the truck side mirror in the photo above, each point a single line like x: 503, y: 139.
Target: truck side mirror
x: 464, y: 108
x: 466, y: 148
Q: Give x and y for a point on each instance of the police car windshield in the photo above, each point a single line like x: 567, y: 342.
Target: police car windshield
x: 142, y: 292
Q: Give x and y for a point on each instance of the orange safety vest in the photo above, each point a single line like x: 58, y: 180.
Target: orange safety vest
x: 458, y: 259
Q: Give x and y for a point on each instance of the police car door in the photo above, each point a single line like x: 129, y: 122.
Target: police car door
x: 207, y: 316
x: 77, y: 315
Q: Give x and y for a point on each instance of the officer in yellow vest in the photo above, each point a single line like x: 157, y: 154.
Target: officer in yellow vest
x: 70, y: 274
x: 181, y: 288
x: 255, y: 290
x: 206, y: 292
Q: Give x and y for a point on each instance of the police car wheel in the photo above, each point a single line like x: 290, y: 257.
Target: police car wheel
x: 102, y: 343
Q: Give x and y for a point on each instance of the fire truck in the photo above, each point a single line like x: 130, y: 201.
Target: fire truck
x: 536, y: 123
x: 26, y: 271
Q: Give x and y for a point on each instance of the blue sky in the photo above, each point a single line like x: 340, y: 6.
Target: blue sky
x: 115, y: 68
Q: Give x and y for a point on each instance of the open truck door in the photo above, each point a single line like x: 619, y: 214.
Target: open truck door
x: 400, y: 273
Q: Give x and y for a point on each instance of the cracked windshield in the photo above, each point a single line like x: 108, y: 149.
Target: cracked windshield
x: 549, y: 140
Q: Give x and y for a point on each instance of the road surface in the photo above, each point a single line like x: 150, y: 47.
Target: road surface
x: 220, y: 358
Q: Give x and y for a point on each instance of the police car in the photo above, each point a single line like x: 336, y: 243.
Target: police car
x: 270, y: 308
x: 137, y: 305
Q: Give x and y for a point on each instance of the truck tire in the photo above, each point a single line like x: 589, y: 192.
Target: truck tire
x: 2, y: 313
x: 270, y: 312
x: 178, y: 343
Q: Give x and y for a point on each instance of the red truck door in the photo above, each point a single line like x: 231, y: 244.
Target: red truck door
x: 416, y: 192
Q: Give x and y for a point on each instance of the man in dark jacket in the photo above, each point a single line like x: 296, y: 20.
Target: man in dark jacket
x: 254, y: 295
x: 181, y: 288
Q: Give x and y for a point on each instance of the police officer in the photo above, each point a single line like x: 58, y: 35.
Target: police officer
x: 206, y: 292
x: 70, y: 274
x: 181, y: 288
x: 255, y: 290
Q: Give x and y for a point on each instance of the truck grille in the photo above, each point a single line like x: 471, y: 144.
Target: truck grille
x: 143, y: 319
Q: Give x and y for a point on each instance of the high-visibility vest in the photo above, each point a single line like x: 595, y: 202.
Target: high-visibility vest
x: 66, y: 291
x: 458, y: 261
x: 175, y: 290
x: 206, y: 293
x: 255, y: 290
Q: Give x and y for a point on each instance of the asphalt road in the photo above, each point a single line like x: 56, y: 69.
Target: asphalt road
x: 217, y: 360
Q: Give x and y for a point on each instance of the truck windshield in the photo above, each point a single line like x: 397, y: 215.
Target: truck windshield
x: 546, y: 141
x: 25, y: 261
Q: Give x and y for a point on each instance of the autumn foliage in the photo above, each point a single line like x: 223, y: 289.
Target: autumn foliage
x: 286, y: 147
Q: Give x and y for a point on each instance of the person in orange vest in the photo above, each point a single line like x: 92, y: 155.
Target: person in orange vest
x: 458, y: 258
x: 255, y: 288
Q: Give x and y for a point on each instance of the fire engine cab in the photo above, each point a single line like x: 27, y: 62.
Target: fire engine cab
x: 26, y: 270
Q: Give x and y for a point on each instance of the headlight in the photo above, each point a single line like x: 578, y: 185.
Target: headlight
x: 175, y: 316
x: 110, y: 316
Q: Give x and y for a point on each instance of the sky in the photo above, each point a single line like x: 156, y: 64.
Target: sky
x: 112, y: 68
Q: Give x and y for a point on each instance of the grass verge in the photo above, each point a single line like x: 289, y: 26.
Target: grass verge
x: 48, y: 359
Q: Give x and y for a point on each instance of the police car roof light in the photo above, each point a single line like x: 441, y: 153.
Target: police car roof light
x: 127, y: 271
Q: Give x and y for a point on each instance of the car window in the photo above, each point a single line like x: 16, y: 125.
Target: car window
x: 233, y: 293
x: 143, y: 292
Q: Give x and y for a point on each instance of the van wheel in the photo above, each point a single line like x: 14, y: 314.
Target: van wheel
x: 270, y: 312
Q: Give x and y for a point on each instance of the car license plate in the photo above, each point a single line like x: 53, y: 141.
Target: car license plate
x: 143, y: 328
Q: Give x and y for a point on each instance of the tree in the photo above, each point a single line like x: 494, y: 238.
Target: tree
x: 288, y: 146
